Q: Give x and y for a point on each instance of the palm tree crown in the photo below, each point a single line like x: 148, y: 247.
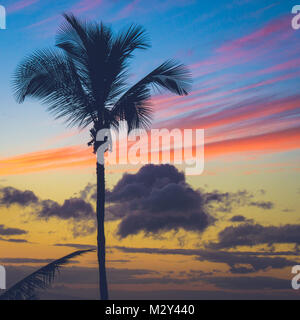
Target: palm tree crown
x: 85, y: 82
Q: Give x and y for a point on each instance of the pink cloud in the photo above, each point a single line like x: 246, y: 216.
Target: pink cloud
x: 278, y: 25
x: 42, y: 22
x: 245, y: 49
x: 295, y: 63
x: 80, y: 7
x: 127, y: 10
x: 85, y: 5
x: 20, y: 5
x: 237, y: 115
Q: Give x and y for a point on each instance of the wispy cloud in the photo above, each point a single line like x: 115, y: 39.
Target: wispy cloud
x: 19, y: 5
x: 85, y: 5
x: 77, y: 157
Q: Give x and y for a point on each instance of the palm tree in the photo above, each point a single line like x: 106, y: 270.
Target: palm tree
x: 84, y: 82
x: 27, y: 288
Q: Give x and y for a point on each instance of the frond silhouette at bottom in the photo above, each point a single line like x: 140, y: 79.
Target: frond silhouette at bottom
x: 40, y: 279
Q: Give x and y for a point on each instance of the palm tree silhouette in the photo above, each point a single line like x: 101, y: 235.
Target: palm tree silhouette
x: 84, y: 81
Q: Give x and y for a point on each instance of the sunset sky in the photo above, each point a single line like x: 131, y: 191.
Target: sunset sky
x: 231, y: 232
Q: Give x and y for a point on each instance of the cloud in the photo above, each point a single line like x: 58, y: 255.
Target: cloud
x: 10, y: 196
x: 75, y: 208
x: 227, y: 201
x: 139, y: 7
x: 76, y: 245
x: 249, y: 283
x: 114, y: 275
x: 25, y: 260
x: 19, y: 5
x: 238, y: 219
x: 255, y: 234
x: 88, y: 193
x: 84, y: 227
x: 248, y: 262
x: 279, y: 140
x: 60, y: 158
x: 85, y: 5
x: 4, y: 231
x: 238, y: 262
x: 15, y: 240
x: 262, y: 204
x: 77, y: 211
x: 154, y: 200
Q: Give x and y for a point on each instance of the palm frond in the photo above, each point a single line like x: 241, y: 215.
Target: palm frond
x: 123, y: 45
x: 85, y: 80
x: 101, y: 55
x: 26, y: 289
x: 52, y: 78
x: 134, y: 106
x: 135, y: 37
x: 89, y: 45
x: 172, y: 76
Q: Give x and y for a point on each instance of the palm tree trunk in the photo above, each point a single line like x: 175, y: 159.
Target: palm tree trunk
x: 101, y: 234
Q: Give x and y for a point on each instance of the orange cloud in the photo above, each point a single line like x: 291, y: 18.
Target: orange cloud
x: 61, y: 158
x: 81, y: 157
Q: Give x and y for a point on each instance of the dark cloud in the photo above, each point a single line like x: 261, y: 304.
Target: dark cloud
x: 78, y: 211
x: 247, y: 262
x: 84, y: 228
x: 89, y: 192
x: 249, y: 283
x: 266, y: 205
x: 238, y: 262
x: 227, y: 201
x: 25, y: 260
x: 10, y: 196
x: 145, y: 180
x: 255, y: 234
x: 75, y: 245
x: 287, y: 210
x: 75, y: 208
x: 84, y: 275
x: 4, y: 231
x: 238, y: 219
x: 15, y: 240
x: 157, y: 199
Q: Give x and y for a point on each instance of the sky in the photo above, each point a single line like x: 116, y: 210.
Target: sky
x: 231, y: 232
